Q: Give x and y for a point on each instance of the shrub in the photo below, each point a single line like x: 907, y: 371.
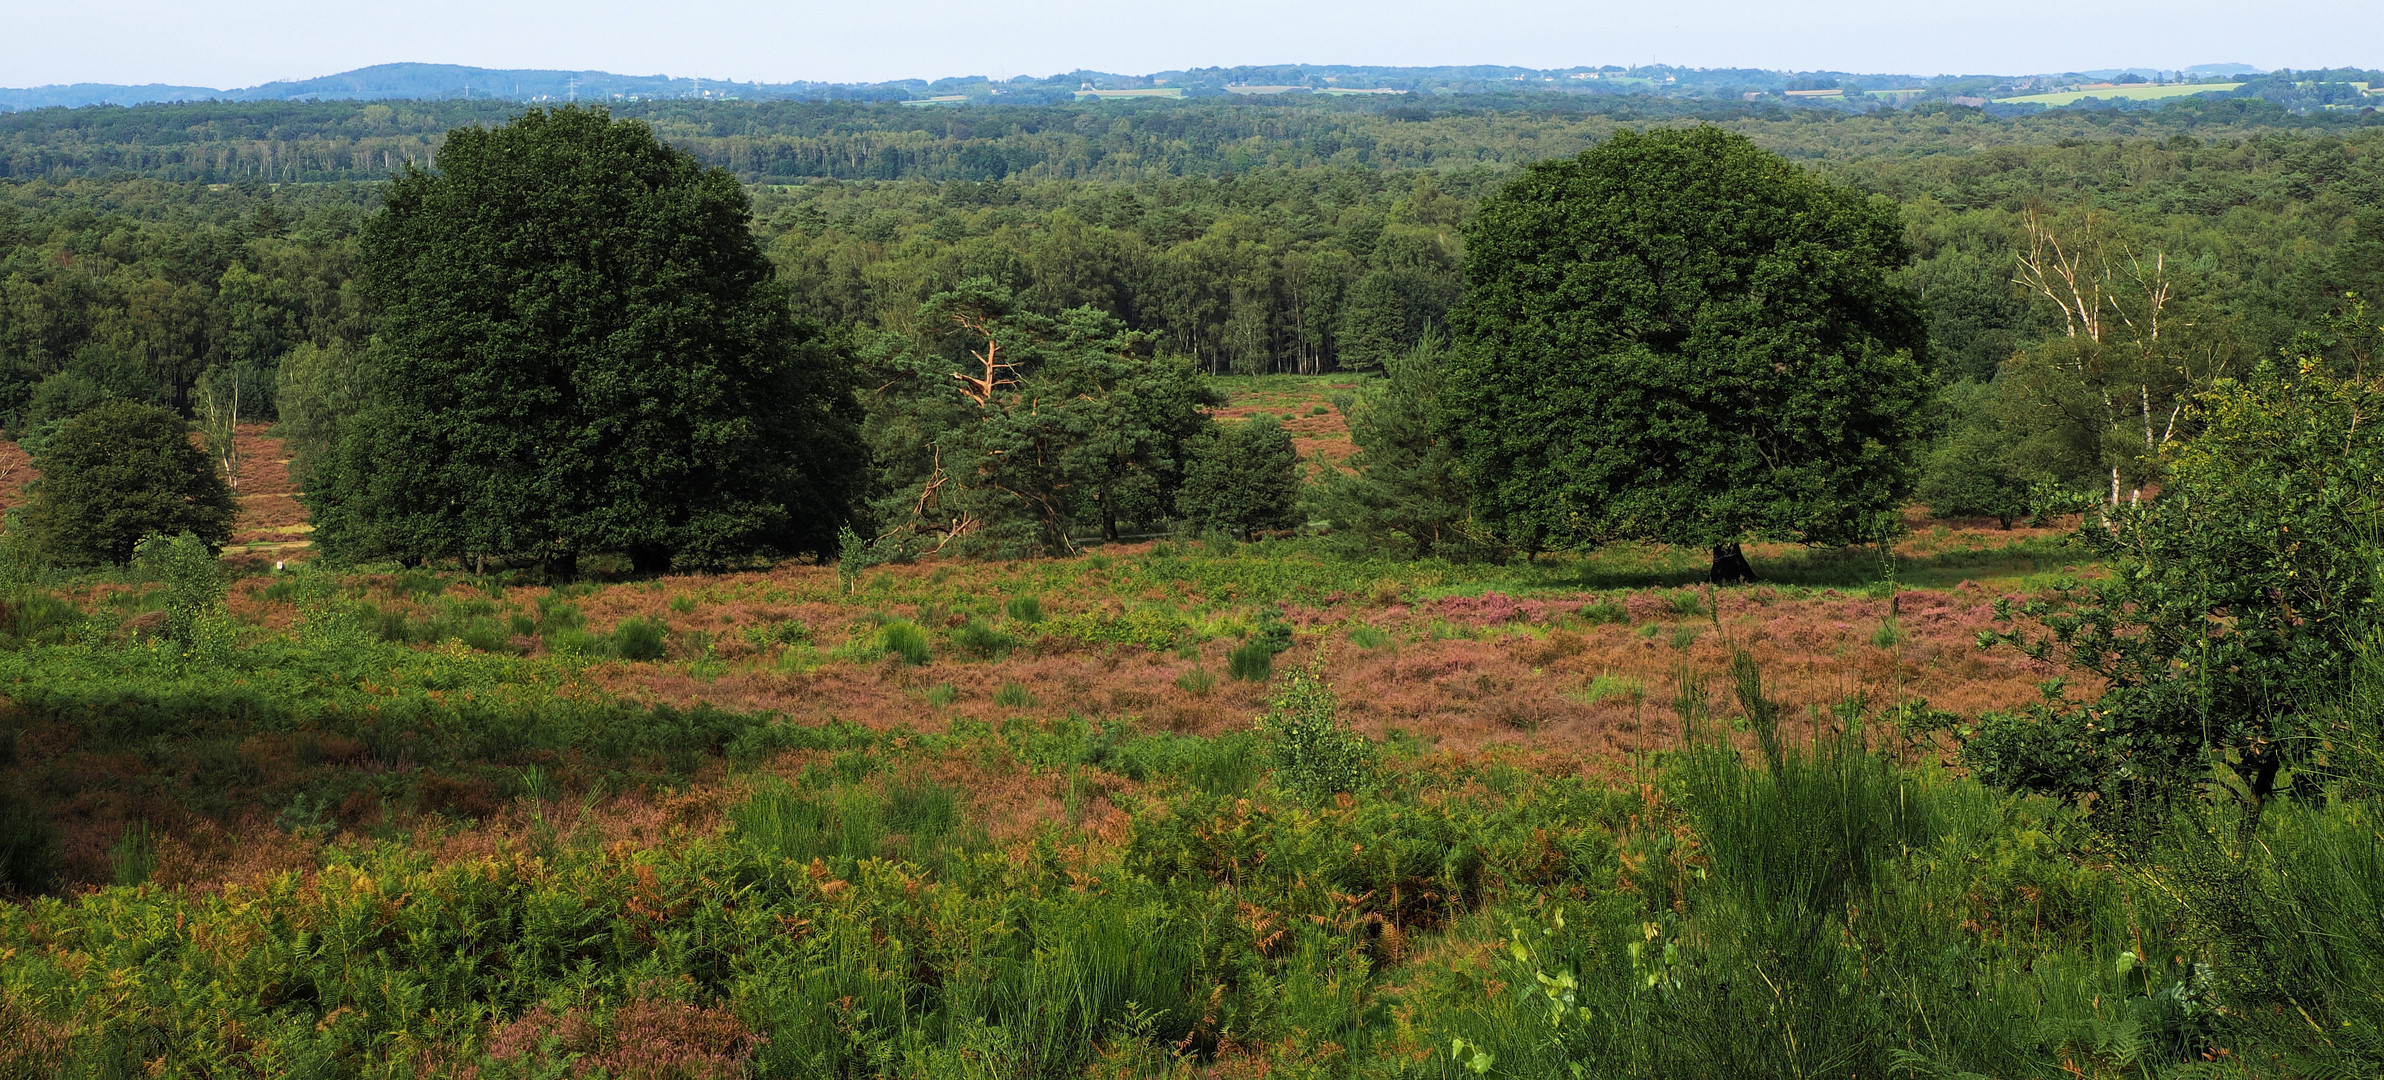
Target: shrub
x: 37, y: 617
x: 640, y: 638
x: 191, y: 576
x: 1254, y: 660
x: 1013, y: 696
x: 982, y: 640
x: 941, y: 695
x: 28, y: 847
x: 906, y: 640
x: 1251, y: 661
x: 1604, y: 612
x: 782, y: 632
x: 1025, y: 609
x: 121, y: 473
x: 1367, y: 637
x: 1197, y: 682
x: 1314, y: 754
x: 1243, y: 478
x: 133, y: 858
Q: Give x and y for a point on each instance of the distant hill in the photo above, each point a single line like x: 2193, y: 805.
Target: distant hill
x: 450, y: 82
x: 437, y: 82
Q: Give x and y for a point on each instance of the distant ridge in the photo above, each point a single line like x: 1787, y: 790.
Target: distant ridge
x: 382, y: 82
x: 448, y: 82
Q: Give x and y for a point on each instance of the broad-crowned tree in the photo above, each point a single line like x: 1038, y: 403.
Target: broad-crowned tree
x: 118, y: 474
x: 1679, y: 337
x: 584, y: 349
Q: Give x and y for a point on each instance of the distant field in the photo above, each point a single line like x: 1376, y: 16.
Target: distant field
x: 1162, y: 92
x: 2146, y: 92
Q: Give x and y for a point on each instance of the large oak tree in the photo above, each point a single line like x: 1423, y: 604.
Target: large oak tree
x: 1679, y: 337
x: 584, y: 349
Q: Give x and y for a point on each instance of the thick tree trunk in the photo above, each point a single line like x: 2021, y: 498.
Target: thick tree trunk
x: 1730, y: 565
x: 649, y: 559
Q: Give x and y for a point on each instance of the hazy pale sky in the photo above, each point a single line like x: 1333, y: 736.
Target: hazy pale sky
x: 232, y: 43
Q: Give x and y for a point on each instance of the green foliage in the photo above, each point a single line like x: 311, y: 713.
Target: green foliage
x: 666, y: 407
x: 1368, y: 638
x: 1024, y: 609
x: 133, y: 857
x: 1244, y: 479
x: 1404, y: 493
x: 320, y: 389
x: 640, y: 638
x: 1004, y: 430
x: 906, y: 640
x: 1605, y: 612
x: 1197, y: 681
x: 2267, y: 527
x: 35, y: 617
x: 1614, y: 380
x: 1974, y: 471
x: 981, y: 639
x: 1013, y: 695
x: 118, y: 474
x: 1311, y: 749
x: 28, y: 846
x: 191, y: 577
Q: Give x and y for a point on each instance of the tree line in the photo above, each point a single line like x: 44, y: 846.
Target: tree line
x: 256, y: 301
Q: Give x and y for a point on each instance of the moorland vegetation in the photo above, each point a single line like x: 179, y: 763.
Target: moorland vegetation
x: 1311, y: 618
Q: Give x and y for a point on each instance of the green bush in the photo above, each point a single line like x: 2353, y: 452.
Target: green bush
x: 1197, y: 681
x: 35, y: 617
x: 119, y: 474
x: 1369, y: 638
x: 1604, y: 612
x: 640, y: 638
x: 133, y: 858
x: 905, y: 639
x: 1314, y: 754
x: 1013, y: 695
x: 1025, y: 609
x: 28, y: 847
x: 982, y: 640
x: 1251, y: 661
x: 1243, y: 479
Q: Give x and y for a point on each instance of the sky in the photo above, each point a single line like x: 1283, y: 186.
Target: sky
x: 232, y: 43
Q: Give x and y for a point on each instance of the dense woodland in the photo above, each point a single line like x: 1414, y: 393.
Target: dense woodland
x: 148, y: 247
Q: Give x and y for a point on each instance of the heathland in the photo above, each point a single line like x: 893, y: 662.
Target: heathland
x: 1189, y: 590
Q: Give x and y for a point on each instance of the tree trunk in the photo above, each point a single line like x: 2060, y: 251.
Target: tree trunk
x: 1730, y: 565
x: 649, y: 559
x: 560, y: 567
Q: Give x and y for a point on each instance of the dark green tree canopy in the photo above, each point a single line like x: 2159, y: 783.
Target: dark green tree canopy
x: 1680, y: 337
x: 1403, y: 492
x: 1005, y: 430
x: 584, y: 350
x: 118, y: 474
x: 1244, y: 478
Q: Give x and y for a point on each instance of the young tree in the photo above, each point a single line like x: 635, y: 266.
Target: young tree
x: 1404, y: 492
x: 1679, y: 337
x: 118, y: 474
x: 1244, y: 478
x: 584, y: 350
